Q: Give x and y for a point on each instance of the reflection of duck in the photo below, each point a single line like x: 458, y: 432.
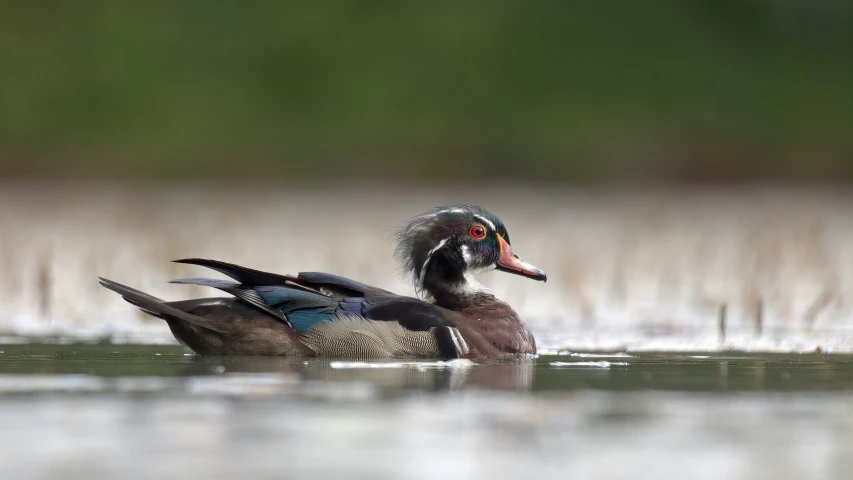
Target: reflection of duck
x: 387, y: 375
x: 319, y: 314
x: 516, y: 376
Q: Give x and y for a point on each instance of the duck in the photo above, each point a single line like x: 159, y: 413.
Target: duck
x: 314, y: 314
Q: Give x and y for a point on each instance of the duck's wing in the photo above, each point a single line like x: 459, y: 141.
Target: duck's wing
x: 336, y: 316
x: 324, y: 283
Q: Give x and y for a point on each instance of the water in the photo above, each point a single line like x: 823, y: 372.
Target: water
x: 99, y: 411
x: 630, y: 271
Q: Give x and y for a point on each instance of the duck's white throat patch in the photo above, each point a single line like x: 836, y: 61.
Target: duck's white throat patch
x: 471, y: 283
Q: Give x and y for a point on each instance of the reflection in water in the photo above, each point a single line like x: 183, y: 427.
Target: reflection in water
x: 515, y: 375
x: 610, y: 372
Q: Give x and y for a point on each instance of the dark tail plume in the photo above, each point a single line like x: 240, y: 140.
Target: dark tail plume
x: 247, y: 276
x: 156, y: 307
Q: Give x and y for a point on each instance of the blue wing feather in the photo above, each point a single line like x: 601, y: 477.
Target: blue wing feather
x: 288, y: 299
x: 302, y: 309
x: 303, y: 320
x: 351, y: 306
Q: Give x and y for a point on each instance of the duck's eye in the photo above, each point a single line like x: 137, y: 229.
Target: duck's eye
x: 478, y: 232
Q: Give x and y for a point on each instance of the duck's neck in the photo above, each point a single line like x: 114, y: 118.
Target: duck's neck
x: 447, y: 286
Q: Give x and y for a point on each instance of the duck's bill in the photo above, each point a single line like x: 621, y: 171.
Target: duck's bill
x: 512, y: 263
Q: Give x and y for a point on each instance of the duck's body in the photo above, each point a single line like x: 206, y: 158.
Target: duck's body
x: 319, y: 314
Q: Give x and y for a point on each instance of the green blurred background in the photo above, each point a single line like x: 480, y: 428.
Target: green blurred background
x: 563, y: 91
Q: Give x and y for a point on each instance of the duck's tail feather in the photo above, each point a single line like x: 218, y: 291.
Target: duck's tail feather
x: 246, y: 276
x: 157, y: 307
x: 250, y: 277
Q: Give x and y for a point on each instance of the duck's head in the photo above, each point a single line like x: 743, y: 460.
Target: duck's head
x: 446, y: 246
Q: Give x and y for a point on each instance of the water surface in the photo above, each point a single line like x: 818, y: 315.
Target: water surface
x: 103, y: 364
x: 104, y: 411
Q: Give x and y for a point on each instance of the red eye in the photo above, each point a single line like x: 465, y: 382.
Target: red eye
x: 478, y: 232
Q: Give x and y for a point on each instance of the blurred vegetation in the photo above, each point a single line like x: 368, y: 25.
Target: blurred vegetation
x: 313, y: 91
